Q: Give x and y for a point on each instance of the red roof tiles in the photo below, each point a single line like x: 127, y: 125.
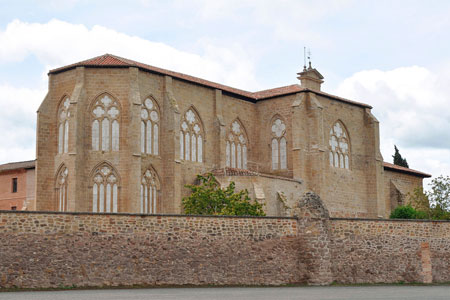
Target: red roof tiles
x: 112, y: 61
x: 395, y: 168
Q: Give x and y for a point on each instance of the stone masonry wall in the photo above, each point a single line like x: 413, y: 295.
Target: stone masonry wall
x: 387, y: 251
x: 65, y: 249
x: 45, y: 249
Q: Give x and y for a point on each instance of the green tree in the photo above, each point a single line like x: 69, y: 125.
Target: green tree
x: 208, y: 198
x: 435, y: 203
x: 398, y: 159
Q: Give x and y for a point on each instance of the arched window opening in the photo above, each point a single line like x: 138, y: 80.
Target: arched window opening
x: 236, y: 146
x: 191, y: 137
x: 279, y: 145
x: 63, y: 126
x: 339, y: 147
x: 150, y: 127
x: 61, y: 189
x: 105, y: 194
x: 149, y: 192
x: 105, y: 124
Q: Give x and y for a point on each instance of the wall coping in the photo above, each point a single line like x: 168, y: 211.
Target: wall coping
x: 389, y: 220
x: 141, y: 215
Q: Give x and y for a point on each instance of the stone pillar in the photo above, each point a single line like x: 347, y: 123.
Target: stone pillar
x: 299, y: 137
x: 220, y: 132
x: 376, y: 202
x: 170, y: 153
x: 315, y: 158
x: 313, y: 231
x: 77, y: 151
x: 134, y: 165
x: 45, y: 139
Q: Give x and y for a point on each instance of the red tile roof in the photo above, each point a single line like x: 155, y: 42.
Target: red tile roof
x: 112, y: 61
x: 29, y: 164
x: 395, y: 168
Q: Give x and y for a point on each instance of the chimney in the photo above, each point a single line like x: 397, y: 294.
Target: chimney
x: 310, y: 78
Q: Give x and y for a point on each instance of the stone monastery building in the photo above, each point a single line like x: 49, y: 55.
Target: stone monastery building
x: 115, y: 135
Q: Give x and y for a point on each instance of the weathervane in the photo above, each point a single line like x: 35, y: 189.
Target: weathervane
x: 306, y: 55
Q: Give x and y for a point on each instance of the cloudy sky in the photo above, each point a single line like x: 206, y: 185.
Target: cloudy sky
x: 393, y: 55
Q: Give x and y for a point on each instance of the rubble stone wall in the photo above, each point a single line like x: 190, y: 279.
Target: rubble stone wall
x: 49, y: 249
x: 82, y: 249
x: 388, y: 251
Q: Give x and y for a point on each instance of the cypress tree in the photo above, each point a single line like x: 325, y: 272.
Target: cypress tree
x: 398, y: 159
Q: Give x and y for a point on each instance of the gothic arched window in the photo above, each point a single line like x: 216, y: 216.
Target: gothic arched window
x: 105, y: 124
x: 63, y: 126
x: 339, y: 147
x: 61, y: 188
x: 150, y: 127
x: 149, y: 192
x: 279, y: 143
x: 105, y: 189
x: 236, y: 150
x: 191, y: 137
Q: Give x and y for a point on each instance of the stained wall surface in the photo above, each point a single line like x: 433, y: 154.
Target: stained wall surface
x: 307, y: 119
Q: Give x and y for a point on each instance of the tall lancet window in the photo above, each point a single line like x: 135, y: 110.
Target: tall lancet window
x: 61, y: 189
x: 105, y: 124
x: 149, y: 192
x: 150, y: 127
x: 339, y: 147
x: 236, y: 149
x: 279, y: 143
x: 191, y: 137
x: 105, y: 189
x: 63, y: 126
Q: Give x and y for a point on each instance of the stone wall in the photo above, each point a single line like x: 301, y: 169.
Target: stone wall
x: 387, y: 251
x: 397, y: 186
x: 46, y: 249
x: 65, y: 249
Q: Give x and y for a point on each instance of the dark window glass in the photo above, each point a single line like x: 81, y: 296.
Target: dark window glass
x: 14, y: 185
x: 13, y: 207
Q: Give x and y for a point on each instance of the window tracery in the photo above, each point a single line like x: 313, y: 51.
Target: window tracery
x: 105, y: 124
x: 105, y: 194
x: 61, y: 188
x: 191, y: 137
x: 63, y: 126
x: 236, y: 147
x: 279, y: 145
x: 149, y: 192
x: 339, y: 147
x: 150, y: 127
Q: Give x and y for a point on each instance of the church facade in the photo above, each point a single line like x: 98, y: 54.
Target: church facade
x: 115, y: 135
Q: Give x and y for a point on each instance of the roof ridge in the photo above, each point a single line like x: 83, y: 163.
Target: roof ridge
x: 401, y: 168
x: 117, y: 61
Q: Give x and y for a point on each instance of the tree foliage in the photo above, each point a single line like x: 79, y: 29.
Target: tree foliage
x: 433, y: 204
x: 407, y: 212
x: 209, y: 198
x: 398, y: 159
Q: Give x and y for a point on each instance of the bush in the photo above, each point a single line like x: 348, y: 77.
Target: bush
x: 209, y: 198
x: 404, y: 212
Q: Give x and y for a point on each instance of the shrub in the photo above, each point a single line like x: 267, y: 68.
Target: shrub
x: 209, y: 198
x: 404, y: 212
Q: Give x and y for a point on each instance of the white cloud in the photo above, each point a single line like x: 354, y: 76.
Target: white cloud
x: 58, y: 43
x: 411, y: 104
x: 18, y: 108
